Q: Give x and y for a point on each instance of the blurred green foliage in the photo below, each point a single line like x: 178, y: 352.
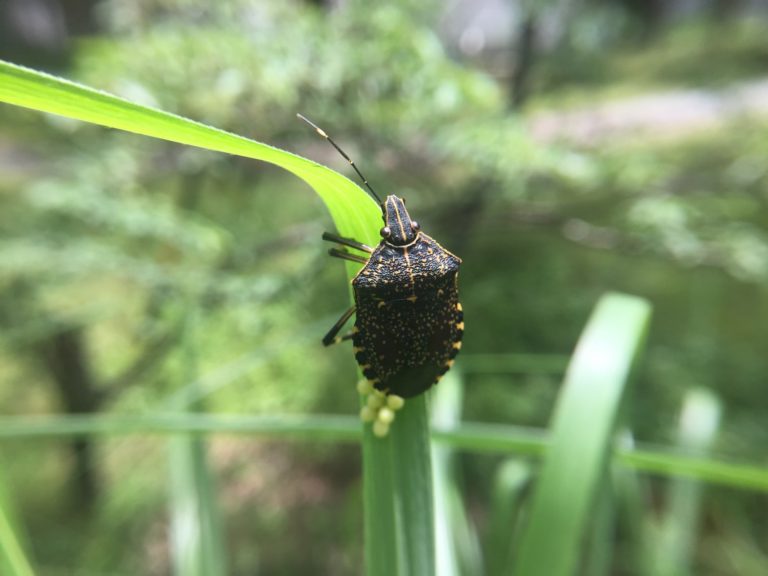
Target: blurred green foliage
x: 108, y: 241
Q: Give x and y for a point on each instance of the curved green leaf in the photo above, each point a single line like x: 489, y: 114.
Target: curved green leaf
x: 582, y: 433
x: 353, y: 211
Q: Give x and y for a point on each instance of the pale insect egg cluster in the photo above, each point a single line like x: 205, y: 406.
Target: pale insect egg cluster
x: 379, y: 408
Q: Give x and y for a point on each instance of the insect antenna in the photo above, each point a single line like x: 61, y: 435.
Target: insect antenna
x: 344, y: 154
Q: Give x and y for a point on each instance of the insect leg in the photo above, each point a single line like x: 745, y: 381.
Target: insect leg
x: 331, y: 338
x: 344, y: 255
x: 347, y: 242
x: 348, y: 336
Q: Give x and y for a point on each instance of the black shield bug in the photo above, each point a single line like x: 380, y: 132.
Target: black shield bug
x: 408, y: 319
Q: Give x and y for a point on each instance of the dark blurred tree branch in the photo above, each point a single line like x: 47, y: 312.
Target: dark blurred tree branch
x: 524, y: 54
x: 66, y: 358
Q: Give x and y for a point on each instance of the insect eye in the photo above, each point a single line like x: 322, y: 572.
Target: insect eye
x: 385, y: 232
x: 415, y: 226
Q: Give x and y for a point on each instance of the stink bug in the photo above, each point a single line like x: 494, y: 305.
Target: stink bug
x: 408, y: 319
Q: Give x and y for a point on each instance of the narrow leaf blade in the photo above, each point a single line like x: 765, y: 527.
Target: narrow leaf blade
x: 582, y: 431
x: 353, y: 212
x: 13, y: 560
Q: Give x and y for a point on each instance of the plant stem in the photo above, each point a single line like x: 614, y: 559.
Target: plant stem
x: 398, y: 507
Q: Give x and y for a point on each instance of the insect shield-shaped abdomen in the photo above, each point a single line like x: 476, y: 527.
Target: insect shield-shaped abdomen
x: 409, y: 321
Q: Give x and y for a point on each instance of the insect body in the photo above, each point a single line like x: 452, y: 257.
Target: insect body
x: 409, y: 322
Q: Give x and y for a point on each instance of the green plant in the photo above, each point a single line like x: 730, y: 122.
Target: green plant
x: 397, y: 471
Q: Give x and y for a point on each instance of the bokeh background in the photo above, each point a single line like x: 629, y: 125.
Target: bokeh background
x: 562, y: 148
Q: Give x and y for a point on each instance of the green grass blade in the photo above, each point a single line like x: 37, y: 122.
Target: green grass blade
x: 582, y: 433
x: 600, y: 551
x: 674, y: 542
x: 353, y: 212
x: 661, y: 461
x: 13, y: 560
x: 185, y: 517
x: 512, y: 478
x: 397, y: 492
x: 669, y: 462
x: 287, y: 426
x: 197, y: 544
x: 446, y: 410
x: 471, y: 437
x: 195, y: 525
x: 633, y: 501
x: 413, y: 495
x: 456, y: 541
x: 379, y: 508
x: 465, y: 536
